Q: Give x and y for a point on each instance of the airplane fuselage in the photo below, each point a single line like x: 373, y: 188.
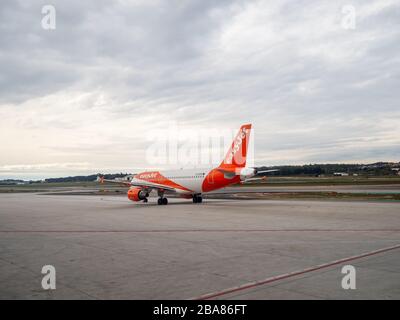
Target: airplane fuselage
x: 187, y: 181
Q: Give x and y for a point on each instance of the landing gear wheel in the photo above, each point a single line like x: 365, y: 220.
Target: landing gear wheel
x: 159, y: 201
x: 164, y: 201
x: 145, y: 200
x: 197, y: 199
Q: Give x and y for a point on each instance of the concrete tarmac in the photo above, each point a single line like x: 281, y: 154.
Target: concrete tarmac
x: 111, y: 248
x: 369, y: 189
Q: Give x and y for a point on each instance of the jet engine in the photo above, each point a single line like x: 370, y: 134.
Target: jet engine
x: 137, y: 194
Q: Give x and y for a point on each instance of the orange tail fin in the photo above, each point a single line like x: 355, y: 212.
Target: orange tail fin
x: 237, y: 153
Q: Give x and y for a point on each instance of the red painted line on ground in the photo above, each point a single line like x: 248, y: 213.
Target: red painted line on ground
x: 291, y: 274
x: 199, y: 230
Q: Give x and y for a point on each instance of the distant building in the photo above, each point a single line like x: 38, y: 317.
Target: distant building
x: 340, y: 174
x: 397, y: 170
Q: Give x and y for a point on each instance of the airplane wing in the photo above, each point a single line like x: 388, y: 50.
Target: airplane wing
x: 232, y: 173
x: 267, y: 171
x: 101, y: 179
x: 263, y: 178
x: 151, y: 185
x: 135, y: 183
x: 258, y: 178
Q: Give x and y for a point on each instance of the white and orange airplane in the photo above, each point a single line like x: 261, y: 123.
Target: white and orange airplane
x: 192, y: 183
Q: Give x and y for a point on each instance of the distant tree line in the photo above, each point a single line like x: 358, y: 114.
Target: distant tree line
x: 91, y: 177
x: 379, y: 169
x: 10, y: 181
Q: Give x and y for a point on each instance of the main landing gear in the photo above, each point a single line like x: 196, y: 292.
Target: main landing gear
x: 161, y: 200
x: 197, y: 198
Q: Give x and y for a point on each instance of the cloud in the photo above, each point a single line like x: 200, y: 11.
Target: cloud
x: 91, y: 90
x: 42, y: 166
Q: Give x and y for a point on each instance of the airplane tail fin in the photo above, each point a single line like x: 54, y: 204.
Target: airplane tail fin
x: 237, y: 153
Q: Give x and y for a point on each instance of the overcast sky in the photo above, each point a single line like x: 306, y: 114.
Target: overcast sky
x: 86, y: 96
